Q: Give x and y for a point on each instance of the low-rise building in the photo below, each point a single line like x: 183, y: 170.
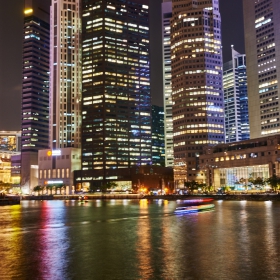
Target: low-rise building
x: 238, y: 164
x: 56, y: 167
x: 148, y: 177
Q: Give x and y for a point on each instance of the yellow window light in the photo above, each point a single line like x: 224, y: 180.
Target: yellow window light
x: 28, y: 11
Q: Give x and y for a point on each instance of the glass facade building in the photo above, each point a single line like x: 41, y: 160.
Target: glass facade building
x: 262, y: 44
x: 236, y: 99
x: 116, y: 101
x: 238, y: 178
x: 197, y: 90
x: 158, y: 148
x: 35, y: 84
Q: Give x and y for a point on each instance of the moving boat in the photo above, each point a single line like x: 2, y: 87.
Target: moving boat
x: 194, y: 209
x: 195, y: 205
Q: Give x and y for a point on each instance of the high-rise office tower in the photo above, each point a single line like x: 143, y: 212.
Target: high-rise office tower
x: 65, y: 74
x: 158, y: 148
x: 116, y: 101
x: 196, y: 62
x: 166, y: 14
x: 262, y: 44
x: 57, y: 164
x: 35, y: 84
x: 236, y: 99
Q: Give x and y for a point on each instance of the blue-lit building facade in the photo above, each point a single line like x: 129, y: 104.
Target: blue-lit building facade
x: 116, y: 101
x: 236, y: 98
x: 35, y: 85
x: 158, y: 147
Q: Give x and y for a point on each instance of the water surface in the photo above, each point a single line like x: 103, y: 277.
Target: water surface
x: 139, y: 239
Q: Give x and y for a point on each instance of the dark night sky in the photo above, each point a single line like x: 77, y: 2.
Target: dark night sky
x: 11, y: 23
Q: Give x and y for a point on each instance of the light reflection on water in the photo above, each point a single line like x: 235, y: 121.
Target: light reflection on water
x: 131, y: 239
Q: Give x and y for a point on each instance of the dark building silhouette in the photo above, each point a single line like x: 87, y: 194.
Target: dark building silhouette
x: 158, y: 148
x: 35, y: 84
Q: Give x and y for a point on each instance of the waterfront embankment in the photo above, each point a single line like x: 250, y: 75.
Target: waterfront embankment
x: 10, y: 200
x: 77, y: 196
x: 228, y: 197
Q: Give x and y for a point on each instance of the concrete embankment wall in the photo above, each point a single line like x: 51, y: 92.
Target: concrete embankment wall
x: 9, y: 201
x: 76, y: 197
x: 39, y: 197
x: 252, y: 197
x: 99, y: 196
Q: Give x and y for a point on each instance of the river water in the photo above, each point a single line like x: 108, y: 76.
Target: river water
x: 139, y: 239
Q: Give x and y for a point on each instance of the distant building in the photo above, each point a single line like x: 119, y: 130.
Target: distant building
x: 35, y: 84
x: 10, y: 141
x: 166, y: 14
x: 236, y: 99
x: 5, y: 169
x: 116, y: 99
x: 262, y: 44
x: 16, y: 170
x: 158, y: 149
x: 197, y: 90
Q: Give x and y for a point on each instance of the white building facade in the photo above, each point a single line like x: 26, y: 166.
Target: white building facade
x: 166, y: 14
x: 57, y: 164
x: 65, y: 74
x: 262, y: 45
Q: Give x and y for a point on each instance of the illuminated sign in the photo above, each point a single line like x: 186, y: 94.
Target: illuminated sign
x: 54, y: 153
x: 28, y: 11
x: 54, y: 182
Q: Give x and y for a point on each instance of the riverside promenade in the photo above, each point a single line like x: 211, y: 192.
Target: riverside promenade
x: 225, y: 197
x: 76, y: 196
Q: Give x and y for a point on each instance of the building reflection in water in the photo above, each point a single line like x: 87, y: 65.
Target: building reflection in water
x: 144, y: 247
x: 52, y: 245
x: 11, y: 242
x: 155, y: 241
x: 270, y: 239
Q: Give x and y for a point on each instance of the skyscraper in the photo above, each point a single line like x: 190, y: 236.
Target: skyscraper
x: 196, y: 60
x: 166, y: 14
x: 65, y: 79
x: 57, y: 164
x: 116, y: 101
x: 236, y: 99
x: 35, y: 84
x: 262, y: 44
